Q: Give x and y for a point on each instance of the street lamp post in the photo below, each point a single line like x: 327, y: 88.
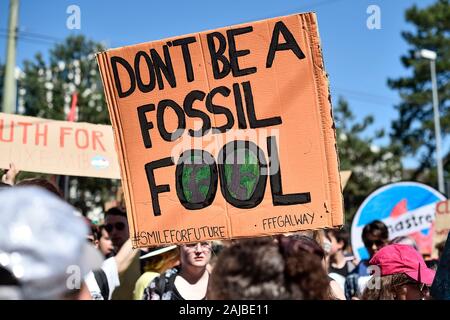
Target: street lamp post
x: 431, y: 56
x: 9, y: 86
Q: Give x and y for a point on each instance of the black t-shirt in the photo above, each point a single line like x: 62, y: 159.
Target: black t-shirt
x: 177, y: 296
x: 344, y: 271
x: 163, y: 287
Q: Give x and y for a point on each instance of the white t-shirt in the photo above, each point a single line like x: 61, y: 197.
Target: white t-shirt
x: 339, y: 279
x: 109, y: 267
x: 362, y: 283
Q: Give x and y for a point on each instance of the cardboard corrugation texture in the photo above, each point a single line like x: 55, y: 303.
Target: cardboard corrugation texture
x: 323, y: 93
x: 111, y: 100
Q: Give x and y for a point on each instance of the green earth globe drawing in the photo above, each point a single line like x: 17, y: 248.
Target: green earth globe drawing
x: 241, y: 176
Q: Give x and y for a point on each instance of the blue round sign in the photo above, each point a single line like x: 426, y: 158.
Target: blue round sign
x: 407, y: 209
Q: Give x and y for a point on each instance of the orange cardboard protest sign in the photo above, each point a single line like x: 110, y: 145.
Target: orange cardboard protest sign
x: 345, y: 176
x: 441, y: 224
x: 57, y: 147
x: 225, y: 133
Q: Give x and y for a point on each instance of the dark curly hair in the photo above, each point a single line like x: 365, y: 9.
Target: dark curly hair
x: 249, y: 269
x: 388, y: 287
x: 304, y: 266
x: 268, y: 268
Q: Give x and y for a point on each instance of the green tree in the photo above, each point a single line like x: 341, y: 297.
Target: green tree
x: 372, y: 165
x: 45, y: 90
x: 414, y: 128
x: 49, y: 85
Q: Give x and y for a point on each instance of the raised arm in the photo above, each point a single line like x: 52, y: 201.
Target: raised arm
x: 125, y: 256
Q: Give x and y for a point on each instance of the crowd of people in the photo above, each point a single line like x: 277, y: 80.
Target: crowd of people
x: 50, y: 251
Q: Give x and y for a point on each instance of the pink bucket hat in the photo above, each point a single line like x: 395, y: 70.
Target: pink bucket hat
x: 401, y: 258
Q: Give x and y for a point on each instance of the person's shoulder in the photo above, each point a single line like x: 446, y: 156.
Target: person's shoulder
x: 109, y: 267
x: 362, y: 266
x: 90, y: 281
x: 169, y: 273
x: 166, y: 275
x: 143, y: 283
x: 109, y: 263
x: 160, y: 287
x: 336, y: 290
x: 92, y: 285
x: 359, y: 268
x: 350, y: 266
x: 150, y: 288
x: 172, y: 271
x: 148, y: 276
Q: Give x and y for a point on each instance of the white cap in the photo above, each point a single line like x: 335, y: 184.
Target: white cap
x: 43, y: 243
x: 157, y: 251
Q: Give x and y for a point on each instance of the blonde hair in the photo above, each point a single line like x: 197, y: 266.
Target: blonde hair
x: 163, y: 261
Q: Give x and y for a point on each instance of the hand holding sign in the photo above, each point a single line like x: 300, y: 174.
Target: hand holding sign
x: 9, y: 177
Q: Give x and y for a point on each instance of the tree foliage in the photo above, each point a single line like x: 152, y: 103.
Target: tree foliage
x: 372, y: 165
x: 45, y: 90
x: 414, y: 128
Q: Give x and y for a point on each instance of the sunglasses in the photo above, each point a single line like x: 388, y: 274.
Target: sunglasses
x: 119, y: 226
x: 378, y: 243
x: 204, y: 245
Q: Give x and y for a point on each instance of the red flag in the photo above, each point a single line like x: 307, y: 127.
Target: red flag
x: 399, y: 209
x: 73, y: 108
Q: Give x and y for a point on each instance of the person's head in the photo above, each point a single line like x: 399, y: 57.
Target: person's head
x: 305, y: 266
x: 249, y: 269
x: 396, y: 287
x: 321, y: 238
x: 404, y: 274
x: 43, y: 249
x: 42, y: 183
x: 196, y: 255
x: 116, y: 224
x: 339, y: 239
x: 405, y: 240
x: 267, y: 268
x: 104, y: 242
x: 375, y: 235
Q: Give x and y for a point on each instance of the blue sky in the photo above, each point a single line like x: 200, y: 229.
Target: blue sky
x: 358, y: 60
